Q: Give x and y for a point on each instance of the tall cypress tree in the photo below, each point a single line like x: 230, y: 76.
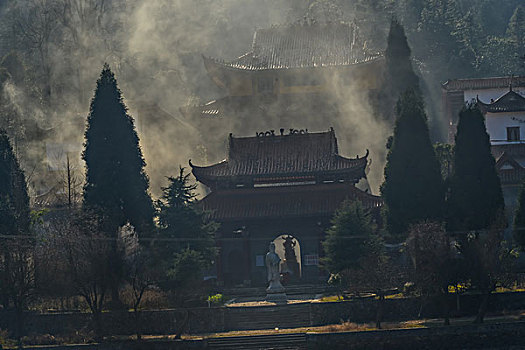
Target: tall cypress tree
x: 14, y: 221
x: 116, y: 183
x: 519, y: 219
x: 14, y: 201
x: 413, y: 189
x: 476, y: 199
x: 399, y: 74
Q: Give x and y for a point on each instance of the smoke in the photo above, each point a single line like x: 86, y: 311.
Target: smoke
x: 155, y: 48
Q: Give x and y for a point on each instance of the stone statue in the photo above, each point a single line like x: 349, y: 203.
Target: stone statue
x: 272, y: 265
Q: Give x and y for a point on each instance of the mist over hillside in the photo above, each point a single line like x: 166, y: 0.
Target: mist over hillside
x: 52, y: 52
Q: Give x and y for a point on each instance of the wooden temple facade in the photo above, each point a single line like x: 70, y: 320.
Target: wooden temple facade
x: 275, y: 187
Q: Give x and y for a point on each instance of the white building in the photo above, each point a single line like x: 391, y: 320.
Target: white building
x: 502, y: 101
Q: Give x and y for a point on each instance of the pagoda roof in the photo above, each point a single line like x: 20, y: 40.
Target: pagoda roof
x: 484, y: 83
x: 510, y: 102
x: 303, y: 45
x: 282, y: 155
x: 284, y: 202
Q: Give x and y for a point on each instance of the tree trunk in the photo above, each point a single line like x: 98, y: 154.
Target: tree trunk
x: 458, y: 305
x: 422, y: 298
x: 379, y: 313
x: 482, y: 307
x: 446, y: 308
x: 183, y: 325
x: 138, y: 323
x: 19, y: 323
x: 97, y: 326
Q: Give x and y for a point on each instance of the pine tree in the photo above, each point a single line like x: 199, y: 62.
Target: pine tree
x: 413, y: 189
x: 519, y: 219
x: 476, y: 199
x: 399, y: 72
x: 187, y: 234
x: 181, y: 219
x: 347, y: 237
x: 116, y: 184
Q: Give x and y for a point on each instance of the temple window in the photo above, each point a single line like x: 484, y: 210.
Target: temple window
x: 264, y: 84
x: 513, y: 133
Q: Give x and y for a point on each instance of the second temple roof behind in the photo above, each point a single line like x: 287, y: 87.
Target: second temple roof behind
x: 302, y: 45
x: 282, y: 156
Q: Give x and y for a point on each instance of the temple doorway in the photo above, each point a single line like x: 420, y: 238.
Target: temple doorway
x: 289, y: 250
x: 235, y: 268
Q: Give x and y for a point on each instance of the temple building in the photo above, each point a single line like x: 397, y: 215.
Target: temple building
x: 502, y: 101
x: 457, y: 92
x: 283, y: 187
x: 302, y: 71
x: 505, y: 121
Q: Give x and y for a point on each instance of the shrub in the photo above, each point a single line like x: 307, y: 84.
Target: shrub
x: 216, y: 300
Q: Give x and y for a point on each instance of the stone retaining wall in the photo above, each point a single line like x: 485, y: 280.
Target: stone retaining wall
x: 208, y: 320
x: 491, y: 336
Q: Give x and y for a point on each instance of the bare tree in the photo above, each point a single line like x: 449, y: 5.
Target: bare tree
x: 36, y: 23
x: 140, y: 272
x: 82, y: 256
x: 435, y: 261
x: 489, y: 262
x: 18, y: 275
x: 376, y: 272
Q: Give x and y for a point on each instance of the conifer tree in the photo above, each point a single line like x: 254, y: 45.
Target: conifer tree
x: 116, y: 183
x: 14, y: 201
x: 346, y: 239
x: 399, y: 74
x: 476, y: 199
x: 16, y: 277
x: 413, y: 189
x: 519, y: 219
x: 181, y: 219
x: 187, y: 234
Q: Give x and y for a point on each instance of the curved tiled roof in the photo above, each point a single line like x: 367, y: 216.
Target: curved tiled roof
x: 510, y: 102
x: 304, y: 45
x: 484, y: 83
x: 284, y: 202
x: 307, y: 153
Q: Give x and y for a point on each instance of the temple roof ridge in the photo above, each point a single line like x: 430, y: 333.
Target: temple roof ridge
x: 511, y: 101
x: 283, y: 155
x: 301, y: 45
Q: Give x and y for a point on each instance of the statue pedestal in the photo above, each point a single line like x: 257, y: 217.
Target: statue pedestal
x: 277, y: 297
x: 275, y: 292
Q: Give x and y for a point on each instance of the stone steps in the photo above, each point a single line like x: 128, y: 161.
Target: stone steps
x: 294, y: 289
x: 268, y: 317
x: 296, y: 341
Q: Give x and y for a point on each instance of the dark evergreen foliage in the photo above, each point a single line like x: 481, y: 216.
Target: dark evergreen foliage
x: 116, y: 183
x: 182, y: 220
x: 400, y: 74
x: 347, y: 238
x: 519, y: 219
x: 476, y: 200
x: 14, y: 201
x: 413, y: 189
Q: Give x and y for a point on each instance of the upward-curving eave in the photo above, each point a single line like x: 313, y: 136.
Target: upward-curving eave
x: 353, y: 168
x: 510, y: 102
